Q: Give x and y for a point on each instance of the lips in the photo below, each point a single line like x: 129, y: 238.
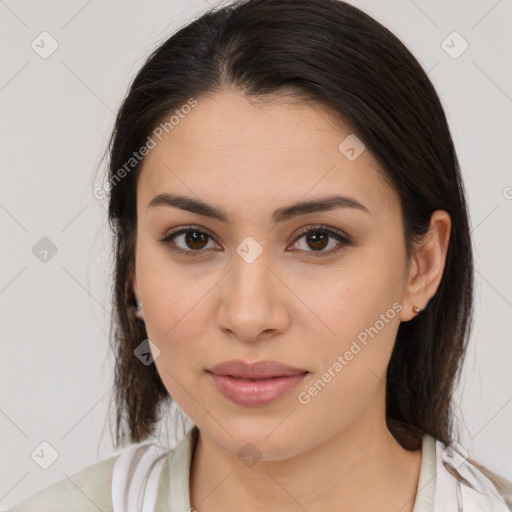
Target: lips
x: 257, y: 370
x: 255, y: 384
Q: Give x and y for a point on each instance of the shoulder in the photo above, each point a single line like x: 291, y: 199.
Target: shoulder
x: 460, y: 482
x: 88, y: 490
x: 104, y: 486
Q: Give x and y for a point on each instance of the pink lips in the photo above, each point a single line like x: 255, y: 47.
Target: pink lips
x: 255, y: 384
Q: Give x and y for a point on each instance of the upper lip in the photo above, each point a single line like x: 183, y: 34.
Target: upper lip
x: 256, y: 370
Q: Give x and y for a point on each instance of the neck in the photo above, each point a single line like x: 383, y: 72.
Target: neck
x: 360, y: 468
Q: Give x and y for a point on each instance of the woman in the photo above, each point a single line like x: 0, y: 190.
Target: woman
x: 293, y: 270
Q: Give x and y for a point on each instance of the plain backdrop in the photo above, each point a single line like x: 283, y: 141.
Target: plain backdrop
x: 57, y: 110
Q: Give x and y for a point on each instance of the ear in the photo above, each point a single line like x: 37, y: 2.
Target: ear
x: 427, y: 265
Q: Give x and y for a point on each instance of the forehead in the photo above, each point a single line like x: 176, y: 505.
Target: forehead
x: 229, y: 149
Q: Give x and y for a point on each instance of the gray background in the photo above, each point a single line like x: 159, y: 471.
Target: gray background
x: 56, y: 115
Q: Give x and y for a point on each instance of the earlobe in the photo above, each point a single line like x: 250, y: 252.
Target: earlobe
x: 427, y: 266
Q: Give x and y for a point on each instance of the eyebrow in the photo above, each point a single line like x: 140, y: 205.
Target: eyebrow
x: 280, y: 215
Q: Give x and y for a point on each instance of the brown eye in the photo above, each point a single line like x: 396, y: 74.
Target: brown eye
x: 315, y: 240
x: 189, y: 240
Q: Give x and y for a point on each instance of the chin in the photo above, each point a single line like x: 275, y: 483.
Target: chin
x: 262, y: 440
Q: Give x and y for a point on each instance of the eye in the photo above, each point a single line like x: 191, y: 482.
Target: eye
x: 320, y: 237
x: 192, y: 240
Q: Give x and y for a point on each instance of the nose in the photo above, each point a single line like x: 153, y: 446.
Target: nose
x: 254, y: 301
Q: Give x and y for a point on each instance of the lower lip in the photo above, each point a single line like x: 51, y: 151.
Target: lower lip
x: 251, y: 393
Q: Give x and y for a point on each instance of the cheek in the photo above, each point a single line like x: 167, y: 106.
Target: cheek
x: 176, y: 314
x: 171, y: 291
x: 352, y: 295
x: 174, y: 305
x: 176, y: 319
x: 350, y: 364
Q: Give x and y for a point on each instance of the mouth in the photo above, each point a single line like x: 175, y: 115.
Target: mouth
x: 255, y: 384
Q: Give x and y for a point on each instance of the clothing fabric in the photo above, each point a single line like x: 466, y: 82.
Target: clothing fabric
x: 149, y: 478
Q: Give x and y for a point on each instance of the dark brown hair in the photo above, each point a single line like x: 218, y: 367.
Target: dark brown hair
x: 336, y: 55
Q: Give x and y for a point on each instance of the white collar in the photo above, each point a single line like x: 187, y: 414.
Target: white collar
x: 479, y: 494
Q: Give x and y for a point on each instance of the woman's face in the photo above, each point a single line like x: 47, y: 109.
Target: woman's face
x: 318, y: 289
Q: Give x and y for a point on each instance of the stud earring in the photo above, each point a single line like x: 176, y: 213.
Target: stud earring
x: 138, y: 306
x: 416, y: 309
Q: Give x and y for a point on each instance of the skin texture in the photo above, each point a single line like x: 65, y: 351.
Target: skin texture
x: 293, y: 304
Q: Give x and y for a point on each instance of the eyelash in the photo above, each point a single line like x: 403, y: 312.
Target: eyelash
x: 345, y: 241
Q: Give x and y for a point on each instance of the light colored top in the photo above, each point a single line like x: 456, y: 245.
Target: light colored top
x: 148, y: 478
